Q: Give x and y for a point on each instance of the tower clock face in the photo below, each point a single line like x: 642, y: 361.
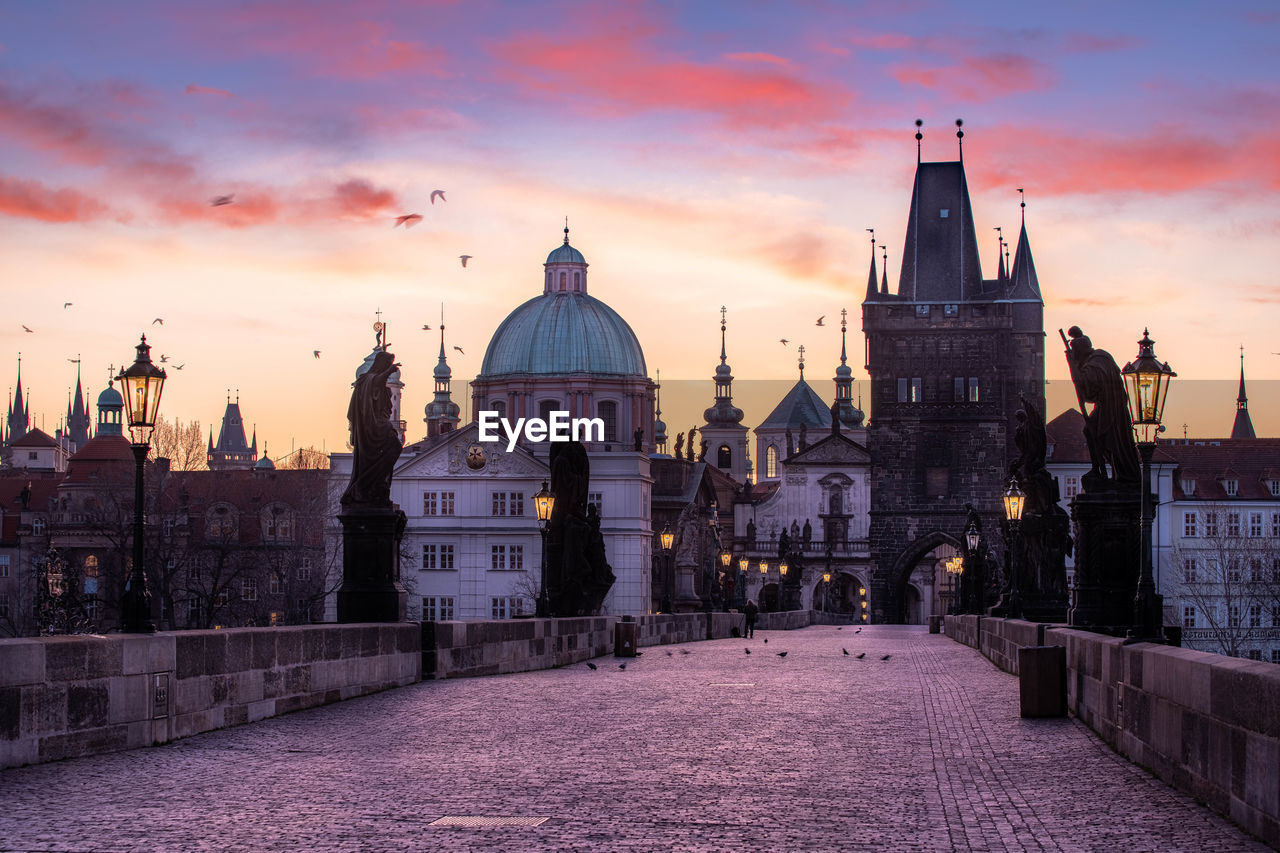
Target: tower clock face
x: 475, y: 457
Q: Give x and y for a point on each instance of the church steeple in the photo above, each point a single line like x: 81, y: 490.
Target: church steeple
x: 442, y: 412
x: 848, y: 414
x: 659, y: 427
x: 19, y: 419
x: 723, y: 412
x: 872, y: 278
x: 78, y: 414
x: 1024, y: 284
x: 1243, y: 427
x: 723, y: 431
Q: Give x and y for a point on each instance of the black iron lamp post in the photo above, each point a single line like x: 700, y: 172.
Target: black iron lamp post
x: 668, y: 539
x: 141, y: 384
x: 955, y: 574
x: 1148, y: 385
x: 726, y: 581
x: 743, y: 565
x: 973, y: 539
x: 1014, y: 500
x: 543, y: 503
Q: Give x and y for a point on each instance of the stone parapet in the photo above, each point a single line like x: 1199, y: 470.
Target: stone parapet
x: 63, y: 697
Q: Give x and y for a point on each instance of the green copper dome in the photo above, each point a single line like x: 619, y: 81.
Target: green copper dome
x: 564, y: 333
x: 565, y: 254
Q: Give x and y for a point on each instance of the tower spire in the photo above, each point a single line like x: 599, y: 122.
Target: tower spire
x: 919, y: 136
x: 960, y: 137
x: 884, y: 270
x: 722, y: 328
x: 1243, y: 427
x: 871, y: 277
x: 442, y: 413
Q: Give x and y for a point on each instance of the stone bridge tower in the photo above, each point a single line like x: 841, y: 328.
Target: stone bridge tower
x: 948, y: 355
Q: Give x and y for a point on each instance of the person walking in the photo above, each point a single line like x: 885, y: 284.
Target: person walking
x: 750, y: 611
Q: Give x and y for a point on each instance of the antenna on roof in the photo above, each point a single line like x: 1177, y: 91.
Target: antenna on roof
x: 960, y: 137
x: 919, y: 136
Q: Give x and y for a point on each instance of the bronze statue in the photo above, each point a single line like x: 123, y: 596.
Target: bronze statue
x: 702, y: 450
x: 679, y: 445
x: 692, y: 432
x: 638, y: 435
x: 1108, y: 429
x: 375, y: 442
x: 578, y: 575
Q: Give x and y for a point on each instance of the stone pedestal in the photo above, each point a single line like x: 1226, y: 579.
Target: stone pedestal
x: 1108, y: 538
x: 371, y: 589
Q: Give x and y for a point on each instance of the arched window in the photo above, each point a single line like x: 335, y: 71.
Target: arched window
x: 724, y: 457
x: 221, y: 522
x: 607, y: 411
x: 277, y: 523
x: 564, y: 277
x: 771, y: 461
x: 499, y: 406
x: 577, y: 281
x: 546, y: 407
x: 835, y: 505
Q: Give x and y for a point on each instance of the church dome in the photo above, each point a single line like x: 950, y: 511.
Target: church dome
x: 561, y: 333
x: 264, y: 464
x: 110, y: 397
x: 565, y: 254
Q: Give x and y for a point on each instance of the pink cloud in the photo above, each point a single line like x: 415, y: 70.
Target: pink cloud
x: 355, y: 199
x: 978, y: 78
x: 359, y: 199
x: 758, y: 57
x: 196, y: 89
x: 28, y: 199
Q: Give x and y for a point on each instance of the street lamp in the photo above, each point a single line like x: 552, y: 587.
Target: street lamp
x: 1148, y: 381
x: 1014, y: 500
x: 955, y: 570
x: 668, y: 539
x: 972, y: 602
x: 142, y: 383
x: 725, y: 558
x: 543, y: 503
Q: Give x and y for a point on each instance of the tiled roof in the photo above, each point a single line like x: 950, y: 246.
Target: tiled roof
x: 1065, y: 435
x: 1250, y: 462
x: 34, y: 438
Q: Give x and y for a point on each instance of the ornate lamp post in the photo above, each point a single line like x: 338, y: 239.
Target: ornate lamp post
x: 972, y: 603
x: 1014, y: 500
x: 141, y: 384
x: 955, y: 573
x: 743, y: 565
x: 668, y: 539
x: 543, y: 503
x: 1148, y: 385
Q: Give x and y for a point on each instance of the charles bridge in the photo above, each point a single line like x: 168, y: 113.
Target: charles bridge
x: 885, y: 737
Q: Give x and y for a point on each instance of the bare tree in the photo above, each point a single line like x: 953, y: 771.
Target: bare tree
x: 182, y: 444
x: 305, y: 458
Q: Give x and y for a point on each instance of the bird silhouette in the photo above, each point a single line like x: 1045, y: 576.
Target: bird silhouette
x: 408, y: 220
x: 669, y: 654
x: 74, y: 360
x: 861, y: 656
x: 220, y: 200
x: 820, y: 319
x: 464, y: 259
x: 590, y: 665
x: 163, y: 358
x: 859, y: 631
x: 766, y: 639
x: 886, y: 657
x: 157, y: 320
x: 435, y: 193
x: 458, y: 348
x: 846, y: 651
x: 748, y: 651
x: 685, y: 652
x: 426, y: 328
x: 784, y: 341
x: 841, y: 628
x: 782, y: 654
x: 26, y: 329
x: 316, y: 353
x: 622, y: 666
x: 179, y: 366
x: 66, y: 305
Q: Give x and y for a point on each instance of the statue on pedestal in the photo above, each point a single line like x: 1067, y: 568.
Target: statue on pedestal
x: 1108, y: 429
x: 578, y: 575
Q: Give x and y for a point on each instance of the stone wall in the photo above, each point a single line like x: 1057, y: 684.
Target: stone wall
x: 785, y: 620
x: 62, y: 697
x: 463, y: 649
x: 1204, y: 723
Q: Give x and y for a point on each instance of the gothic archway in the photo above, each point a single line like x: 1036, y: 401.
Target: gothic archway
x: 894, y: 609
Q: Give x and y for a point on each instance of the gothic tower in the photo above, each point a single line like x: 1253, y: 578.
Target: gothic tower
x: 232, y: 452
x: 948, y: 356
x: 1243, y: 426
x: 723, y: 431
x: 442, y: 412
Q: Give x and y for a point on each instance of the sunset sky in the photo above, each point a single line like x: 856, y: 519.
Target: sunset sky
x: 705, y: 153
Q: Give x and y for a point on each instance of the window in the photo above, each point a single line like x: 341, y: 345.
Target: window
x: 430, y: 503
x: 1072, y: 488
x: 1233, y: 524
x: 498, y: 558
x: 249, y: 589
x: 917, y: 390
x: 1255, y: 569
x: 546, y: 407
x: 37, y: 526
x: 1233, y: 616
x: 274, y: 586
x: 1275, y: 655
x: 957, y: 391
x: 1274, y: 485
x: 903, y: 392
x: 437, y: 556
x: 505, y: 607
x: 950, y: 309
x: 4, y: 605
x: 1255, y: 654
x: 515, y: 557
x: 91, y: 566
x: 1275, y: 525
x: 608, y: 412
x: 1233, y: 570
x: 277, y: 523
x: 31, y: 454
x: 446, y: 503
x: 1190, y: 573
x: 1231, y: 487
x: 220, y: 599
x: 499, y: 407
x: 1210, y: 524
x: 304, y: 569
x: 937, y: 481
x: 724, y: 456
x: 1188, y: 487
x: 428, y: 556
x: 4, y: 565
x: 1188, y: 616
x: 1188, y: 525
x: 973, y: 389
x: 1255, y: 524
x: 771, y: 462
x: 220, y: 522
x: 508, y: 503
x: 168, y: 527
x: 596, y: 498
x: 1255, y: 615
x: 437, y: 608
x: 446, y: 556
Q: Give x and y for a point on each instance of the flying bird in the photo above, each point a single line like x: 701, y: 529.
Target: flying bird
x: 784, y: 341
x: 66, y: 305
x: 220, y: 200
x: 458, y: 348
x: 861, y: 656
x: 426, y: 328
x: 820, y: 319
x: 408, y: 220
x: 435, y: 193
x: 316, y: 353
x: 26, y: 329
x: 464, y: 259
x: 163, y: 358
x: 782, y: 654
x: 157, y: 320
x: 179, y: 366
x: 592, y: 666
x: 846, y: 651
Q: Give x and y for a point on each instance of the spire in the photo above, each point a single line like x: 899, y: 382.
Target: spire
x: 78, y: 417
x: 723, y: 412
x: 19, y: 412
x: 843, y: 410
x: 1243, y: 427
x: 940, y: 255
x: 960, y: 137
x: 884, y: 270
x: 1023, y: 283
x: 659, y: 428
x: 1003, y: 276
x: 919, y: 136
x: 442, y: 412
x: 801, y: 354
x: 871, y: 277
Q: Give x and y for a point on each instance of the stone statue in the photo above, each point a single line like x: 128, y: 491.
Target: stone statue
x: 702, y: 449
x: 806, y: 533
x: 692, y: 432
x: 1108, y: 429
x: 638, y: 435
x: 751, y: 530
x: 679, y: 445
x: 784, y: 544
x: 578, y: 575
x: 375, y: 441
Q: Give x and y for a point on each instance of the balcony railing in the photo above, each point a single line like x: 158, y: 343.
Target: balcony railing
x: 814, y: 548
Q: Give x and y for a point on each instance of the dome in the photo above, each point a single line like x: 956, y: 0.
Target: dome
x: 563, y: 333
x: 110, y: 397
x: 565, y: 254
x: 264, y: 464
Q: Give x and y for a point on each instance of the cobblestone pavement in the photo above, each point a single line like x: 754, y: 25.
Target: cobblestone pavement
x: 710, y: 750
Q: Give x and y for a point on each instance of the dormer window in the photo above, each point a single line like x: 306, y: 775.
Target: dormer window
x: 1231, y: 487
x: 1188, y: 486
x: 1274, y: 486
